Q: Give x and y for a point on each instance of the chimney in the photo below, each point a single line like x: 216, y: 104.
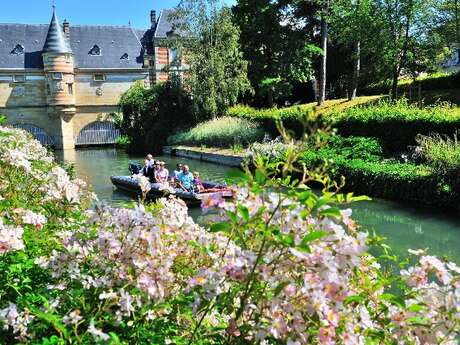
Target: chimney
x: 66, y: 28
x: 153, y: 18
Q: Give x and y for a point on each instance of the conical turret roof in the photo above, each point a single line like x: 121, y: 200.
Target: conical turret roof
x: 56, y: 41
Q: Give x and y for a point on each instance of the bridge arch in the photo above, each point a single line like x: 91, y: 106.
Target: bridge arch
x: 98, y: 133
x: 39, y: 133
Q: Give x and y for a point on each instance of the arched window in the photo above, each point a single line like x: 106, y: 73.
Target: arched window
x: 95, y: 50
x: 18, y: 50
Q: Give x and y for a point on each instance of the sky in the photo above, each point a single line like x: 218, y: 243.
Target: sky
x: 81, y: 12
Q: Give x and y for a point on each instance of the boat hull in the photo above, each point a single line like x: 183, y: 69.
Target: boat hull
x: 129, y: 184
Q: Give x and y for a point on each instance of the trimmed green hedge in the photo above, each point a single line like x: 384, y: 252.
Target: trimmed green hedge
x: 397, y: 124
x: 389, y: 180
x: 293, y: 118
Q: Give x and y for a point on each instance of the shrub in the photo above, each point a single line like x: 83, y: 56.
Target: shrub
x: 397, y: 124
x: 150, y: 114
x: 220, y: 132
x: 441, y: 152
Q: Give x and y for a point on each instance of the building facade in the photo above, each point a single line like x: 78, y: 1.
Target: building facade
x: 61, y: 82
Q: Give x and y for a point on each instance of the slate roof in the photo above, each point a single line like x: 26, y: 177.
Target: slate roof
x: 113, y: 41
x: 166, y: 25
x: 56, y: 41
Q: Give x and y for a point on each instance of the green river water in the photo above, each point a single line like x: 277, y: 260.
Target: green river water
x: 405, y: 227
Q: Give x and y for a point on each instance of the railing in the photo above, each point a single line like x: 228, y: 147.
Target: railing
x: 98, y: 133
x: 44, y: 138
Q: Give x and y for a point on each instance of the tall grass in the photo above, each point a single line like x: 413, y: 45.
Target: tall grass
x: 441, y: 152
x: 222, y: 132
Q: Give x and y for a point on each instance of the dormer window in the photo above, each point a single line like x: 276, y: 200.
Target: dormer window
x: 18, y: 50
x: 99, y: 77
x: 125, y: 56
x: 19, y: 78
x: 95, y: 51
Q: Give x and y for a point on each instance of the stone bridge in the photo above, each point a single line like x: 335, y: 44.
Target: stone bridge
x: 92, y: 126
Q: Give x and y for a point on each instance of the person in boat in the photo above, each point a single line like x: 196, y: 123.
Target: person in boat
x: 147, y: 170
x: 162, y: 178
x: 197, y: 182
x: 151, y: 160
x: 199, y: 186
x: 162, y: 174
x: 178, y: 170
x: 185, y: 179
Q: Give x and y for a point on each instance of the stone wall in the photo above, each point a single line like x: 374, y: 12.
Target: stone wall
x: 31, y: 92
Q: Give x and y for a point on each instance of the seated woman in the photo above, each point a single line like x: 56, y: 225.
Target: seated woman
x: 162, y: 178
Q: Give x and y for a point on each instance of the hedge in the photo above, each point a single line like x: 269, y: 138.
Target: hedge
x: 390, y: 180
x: 397, y: 124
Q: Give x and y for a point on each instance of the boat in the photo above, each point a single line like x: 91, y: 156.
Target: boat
x: 130, y: 185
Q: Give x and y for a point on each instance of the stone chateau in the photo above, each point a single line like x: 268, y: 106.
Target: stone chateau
x: 61, y: 82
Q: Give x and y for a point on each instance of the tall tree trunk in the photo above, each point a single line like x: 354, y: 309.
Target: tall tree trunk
x: 322, y: 76
x: 457, y: 28
x: 403, y: 55
x: 356, y: 71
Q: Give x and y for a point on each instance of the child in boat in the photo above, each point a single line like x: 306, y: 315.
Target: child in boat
x: 199, y: 186
x: 197, y: 182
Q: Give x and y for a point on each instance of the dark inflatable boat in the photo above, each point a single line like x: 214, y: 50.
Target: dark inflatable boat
x: 130, y: 185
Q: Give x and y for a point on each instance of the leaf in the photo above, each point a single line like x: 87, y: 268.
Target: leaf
x: 286, y: 240
x: 280, y: 287
x: 244, y: 212
x: 260, y: 177
x: 312, y: 236
x: 393, y: 299
x: 237, y: 175
x: 354, y: 298
x: 330, y: 212
x: 220, y: 227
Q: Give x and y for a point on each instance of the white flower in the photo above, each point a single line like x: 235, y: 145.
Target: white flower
x: 73, y: 318
x: 34, y: 219
x: 97, y: 333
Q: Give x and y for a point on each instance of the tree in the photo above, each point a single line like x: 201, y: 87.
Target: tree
x: 279, y: 48
x: 218, y: 72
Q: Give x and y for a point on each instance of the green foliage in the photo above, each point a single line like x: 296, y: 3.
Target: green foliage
x: 150, y: 114
x: 123, y: 141
x: 433, y: 81
x: 441, y: 152
x: 2, y: 119
x: 293, y: 118
x: 281, y: 54
x: 221, y: 132
x: 397, y: 124
x: 217, y: 73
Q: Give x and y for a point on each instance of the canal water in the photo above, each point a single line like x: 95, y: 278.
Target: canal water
x: 404, y: 227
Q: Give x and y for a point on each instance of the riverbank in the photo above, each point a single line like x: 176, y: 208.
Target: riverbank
x: 216, y: 155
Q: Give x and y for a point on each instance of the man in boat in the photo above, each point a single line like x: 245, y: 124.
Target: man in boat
x: 151, y: 160
x: 185, y: 179
x: 147, y: 170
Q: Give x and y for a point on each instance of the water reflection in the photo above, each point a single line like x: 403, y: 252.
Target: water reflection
x: 404, y: 227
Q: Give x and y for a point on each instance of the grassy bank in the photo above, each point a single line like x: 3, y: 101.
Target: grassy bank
x: 224, y: 132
